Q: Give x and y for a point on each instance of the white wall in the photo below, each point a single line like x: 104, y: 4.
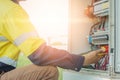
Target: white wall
x: 50, y: 17
x: 79, y: 27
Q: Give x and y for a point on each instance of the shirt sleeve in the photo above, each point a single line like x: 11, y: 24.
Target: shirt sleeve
x: 20, y: 32
x: 46, y: 55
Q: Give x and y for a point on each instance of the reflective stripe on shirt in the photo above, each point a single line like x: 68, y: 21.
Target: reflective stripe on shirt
x: 8, y: 61
x: 24, y: 37
x: 2, y: 38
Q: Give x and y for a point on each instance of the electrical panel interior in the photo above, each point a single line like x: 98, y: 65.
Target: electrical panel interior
x: 98, y: 11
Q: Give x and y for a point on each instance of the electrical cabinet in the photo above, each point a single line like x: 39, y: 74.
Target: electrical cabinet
x: 95, y: 24
x: 116, y: 25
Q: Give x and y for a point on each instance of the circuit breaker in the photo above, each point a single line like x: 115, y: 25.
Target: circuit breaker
x: 99, y: 32
x: 90, y: 29
x: 96, y: 24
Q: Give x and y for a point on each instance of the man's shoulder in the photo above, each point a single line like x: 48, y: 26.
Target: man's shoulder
x: 7, y: 6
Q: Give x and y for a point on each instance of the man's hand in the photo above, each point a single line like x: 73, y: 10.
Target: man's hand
x: 93, y: 56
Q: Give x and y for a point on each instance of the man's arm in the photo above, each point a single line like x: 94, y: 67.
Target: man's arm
x: 93, y: 57
x: 46, y: 55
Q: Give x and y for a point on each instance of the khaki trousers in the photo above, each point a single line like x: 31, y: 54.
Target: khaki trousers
x: 32, y: 72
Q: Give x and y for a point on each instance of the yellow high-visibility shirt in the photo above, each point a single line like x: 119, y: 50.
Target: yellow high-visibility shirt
x: 17, y: 34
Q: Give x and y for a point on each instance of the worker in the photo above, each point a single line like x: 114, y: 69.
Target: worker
x: 17, y: 34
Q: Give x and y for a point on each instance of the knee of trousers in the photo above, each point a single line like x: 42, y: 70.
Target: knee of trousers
x: 53, y: 69
x: 50, y: 69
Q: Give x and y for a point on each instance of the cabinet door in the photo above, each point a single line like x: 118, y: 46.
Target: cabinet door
x: 117, y: 35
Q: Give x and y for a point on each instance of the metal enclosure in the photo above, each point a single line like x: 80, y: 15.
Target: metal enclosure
x: 117, y: 35
x: 78, y: 32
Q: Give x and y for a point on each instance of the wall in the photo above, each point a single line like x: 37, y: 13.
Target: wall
x: 79, y: 26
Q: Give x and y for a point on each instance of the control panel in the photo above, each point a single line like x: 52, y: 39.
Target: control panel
x: 99, y: 32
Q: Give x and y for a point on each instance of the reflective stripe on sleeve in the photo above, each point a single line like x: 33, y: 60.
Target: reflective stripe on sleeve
x: 8, y: 61
x: 24, y: 37
x: 2, y: 38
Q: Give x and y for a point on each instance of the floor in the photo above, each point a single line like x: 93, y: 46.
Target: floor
x: 69, y: 75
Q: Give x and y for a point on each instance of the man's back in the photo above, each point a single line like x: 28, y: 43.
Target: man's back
x: 17, y: 34
x: 9, y: 16
x: 7, y: 60
x: 5, y: 6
